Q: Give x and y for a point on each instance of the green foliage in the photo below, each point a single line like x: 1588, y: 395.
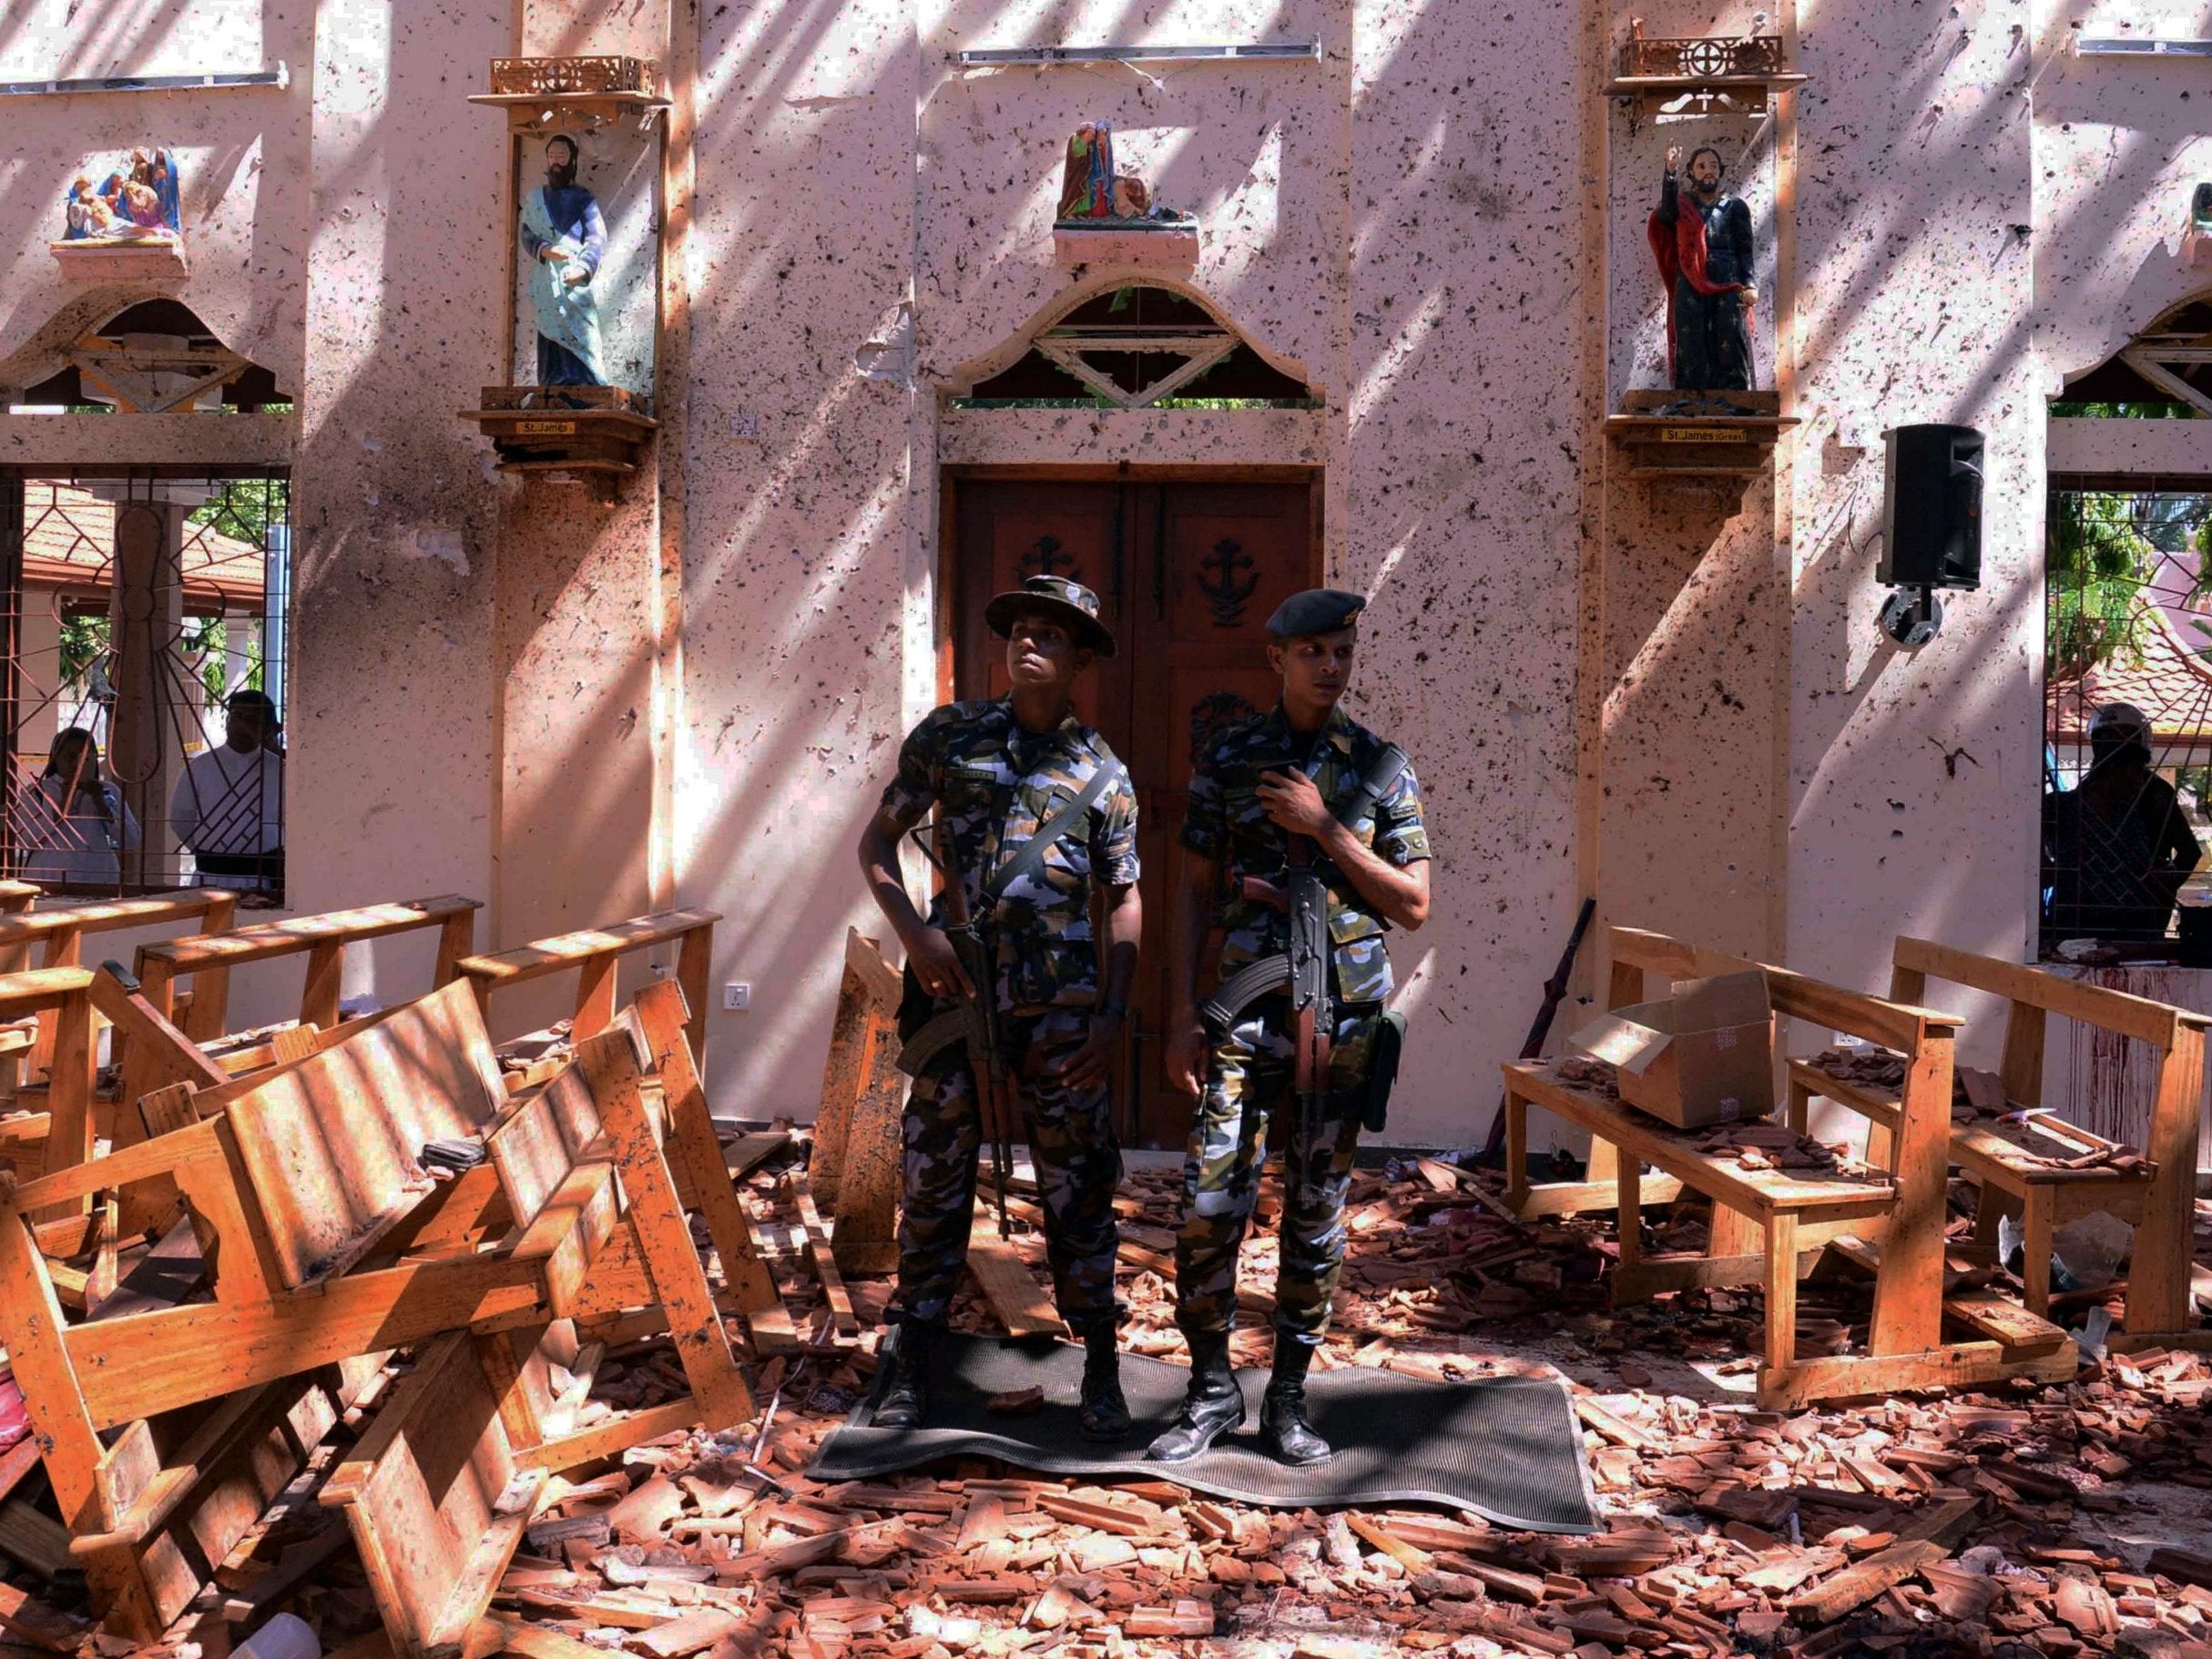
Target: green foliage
x: 2151, y: 408
x: 84, y: 641
x: 244, y: 508
x: 2097, y: 565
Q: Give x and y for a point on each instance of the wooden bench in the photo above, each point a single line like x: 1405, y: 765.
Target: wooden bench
x: 320, y: 1240
x: 60, y: 933
x: 594, y: 954
x: 1895, y: 1219
x: 2024, y: 1161
x: 60, y: 1129
x: 858, y: 1151
x: 206, y: 961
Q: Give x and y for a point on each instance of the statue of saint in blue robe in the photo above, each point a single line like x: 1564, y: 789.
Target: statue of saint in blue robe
x: 565, y: 220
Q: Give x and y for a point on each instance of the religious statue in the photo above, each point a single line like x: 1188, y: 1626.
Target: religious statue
x: 565, y: 238
x: 1092, y: 191
x: 137, y: 202
x: 1703, y: 246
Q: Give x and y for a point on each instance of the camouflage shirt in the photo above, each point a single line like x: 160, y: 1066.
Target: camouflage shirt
x: 1227, y: 823
x: 996, y: 785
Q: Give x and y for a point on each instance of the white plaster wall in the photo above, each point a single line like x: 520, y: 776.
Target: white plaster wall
x: 393, y: 714
x: 1462, y: 420
x: 1914, y: 777
x: 796, y: 571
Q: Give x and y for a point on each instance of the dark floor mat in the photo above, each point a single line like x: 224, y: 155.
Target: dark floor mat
x: 1507, y: 1448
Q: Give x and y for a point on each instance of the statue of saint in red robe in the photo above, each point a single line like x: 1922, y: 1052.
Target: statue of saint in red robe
x: 1701, y: 238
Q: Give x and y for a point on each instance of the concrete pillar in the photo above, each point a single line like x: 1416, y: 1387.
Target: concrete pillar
x: 239, y: 633
x: 42, y: 693
x: 146, y: 742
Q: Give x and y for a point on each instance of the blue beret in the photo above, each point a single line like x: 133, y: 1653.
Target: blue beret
x: 1317, y: 610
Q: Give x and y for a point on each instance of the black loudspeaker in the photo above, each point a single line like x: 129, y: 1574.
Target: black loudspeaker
x: 1932, y: 508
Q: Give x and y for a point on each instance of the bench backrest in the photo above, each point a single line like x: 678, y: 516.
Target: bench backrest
x: 1901, y: 1027
x: 2031, y: 995
x: 62, y: 929
x: 323, y: 938
x: 592, y: 954
x: 331, y: 1142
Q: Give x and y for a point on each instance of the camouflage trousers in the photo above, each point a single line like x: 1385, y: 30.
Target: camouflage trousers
x: 1078, y: 1164
x: 1249, y: 1076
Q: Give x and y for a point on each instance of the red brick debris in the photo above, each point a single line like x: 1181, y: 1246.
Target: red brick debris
x: 2052, y: 1522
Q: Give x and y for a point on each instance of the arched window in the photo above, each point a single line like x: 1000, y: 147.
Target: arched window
x: 2166, y: 370
x: 1140, y: 347
x: 156, y: 358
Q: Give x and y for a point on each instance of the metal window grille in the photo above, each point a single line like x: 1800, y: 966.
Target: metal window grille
x: 136, y: 611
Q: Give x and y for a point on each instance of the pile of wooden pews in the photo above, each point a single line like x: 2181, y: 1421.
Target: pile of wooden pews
x: 253, y: 1246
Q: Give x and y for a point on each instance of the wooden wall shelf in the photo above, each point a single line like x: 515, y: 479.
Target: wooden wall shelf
x: 1699, y: 434
x: 581, y: 430
x: 88, y: 261
x: 548, y: 94
x: 1702, y: 76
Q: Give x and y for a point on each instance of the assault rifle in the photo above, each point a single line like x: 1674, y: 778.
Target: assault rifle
x: 1302, y: 896
x: 974, y: 1022
x: 1554, y: 994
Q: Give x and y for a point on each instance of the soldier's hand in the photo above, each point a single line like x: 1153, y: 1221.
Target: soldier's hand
x: 937, y: 965
x: 1291, y: 799
x: 1091, y: 1064
x: 1187, y: 1056
x: 1674, y: 158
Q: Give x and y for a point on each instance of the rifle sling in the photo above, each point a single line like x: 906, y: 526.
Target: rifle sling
x: 1271, y: 973
x: 942, y: 1031
x: 1029, y: 858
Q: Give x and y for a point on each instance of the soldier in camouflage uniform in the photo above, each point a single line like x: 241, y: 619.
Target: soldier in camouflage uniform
x: 996, y: 771
x: 1295, y: 769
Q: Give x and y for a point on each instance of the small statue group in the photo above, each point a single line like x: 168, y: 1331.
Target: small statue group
x: 1703, y: 246
x: 1091, y: 190
x: 137, y: 202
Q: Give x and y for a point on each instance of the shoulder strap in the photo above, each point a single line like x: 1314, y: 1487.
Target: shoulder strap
x: 1378, y: 782
x: 1029, y: 858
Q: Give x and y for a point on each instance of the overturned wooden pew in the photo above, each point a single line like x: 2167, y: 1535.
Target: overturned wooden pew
x: 321, y: 1238
x: 206, y: 961
x: 595, y: 956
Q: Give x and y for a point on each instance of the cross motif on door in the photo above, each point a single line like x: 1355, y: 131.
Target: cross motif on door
x: 1224, y: 592
x: 1046, y: 558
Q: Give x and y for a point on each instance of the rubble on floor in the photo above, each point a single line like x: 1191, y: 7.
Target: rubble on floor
x: 2055, y: 1521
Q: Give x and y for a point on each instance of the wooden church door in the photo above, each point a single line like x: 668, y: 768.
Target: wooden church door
x: 1186, y: 576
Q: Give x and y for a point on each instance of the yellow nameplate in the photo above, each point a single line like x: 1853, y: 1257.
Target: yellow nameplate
x: 1701, y: 434
x: 546, y: 429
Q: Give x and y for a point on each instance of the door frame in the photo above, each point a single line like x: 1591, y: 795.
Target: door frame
x: 946, y: 574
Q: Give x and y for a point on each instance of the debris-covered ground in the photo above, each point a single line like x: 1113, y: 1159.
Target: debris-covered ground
x: 2052, y: 1522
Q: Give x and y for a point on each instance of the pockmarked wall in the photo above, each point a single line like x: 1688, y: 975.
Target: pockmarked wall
x: 1673, y: 699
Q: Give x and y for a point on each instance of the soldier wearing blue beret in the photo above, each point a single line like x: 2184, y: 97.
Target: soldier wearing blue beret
x: 1300, y: 793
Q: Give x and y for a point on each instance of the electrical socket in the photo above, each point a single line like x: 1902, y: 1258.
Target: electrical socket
x: 737, y: 997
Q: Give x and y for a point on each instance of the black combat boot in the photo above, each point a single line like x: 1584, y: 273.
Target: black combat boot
x: 907, y: 1400
x: 1104, y: 1414
x: 1214, y: 1405
x: 1283, y: 1428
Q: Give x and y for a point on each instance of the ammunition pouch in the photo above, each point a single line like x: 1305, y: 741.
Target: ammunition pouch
x: 1389, y: 1044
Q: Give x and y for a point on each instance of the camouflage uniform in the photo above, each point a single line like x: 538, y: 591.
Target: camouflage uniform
x: 994, y: 785
x: 1249, y: 1070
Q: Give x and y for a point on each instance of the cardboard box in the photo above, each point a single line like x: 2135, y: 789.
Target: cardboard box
x: 1705, y: 1056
